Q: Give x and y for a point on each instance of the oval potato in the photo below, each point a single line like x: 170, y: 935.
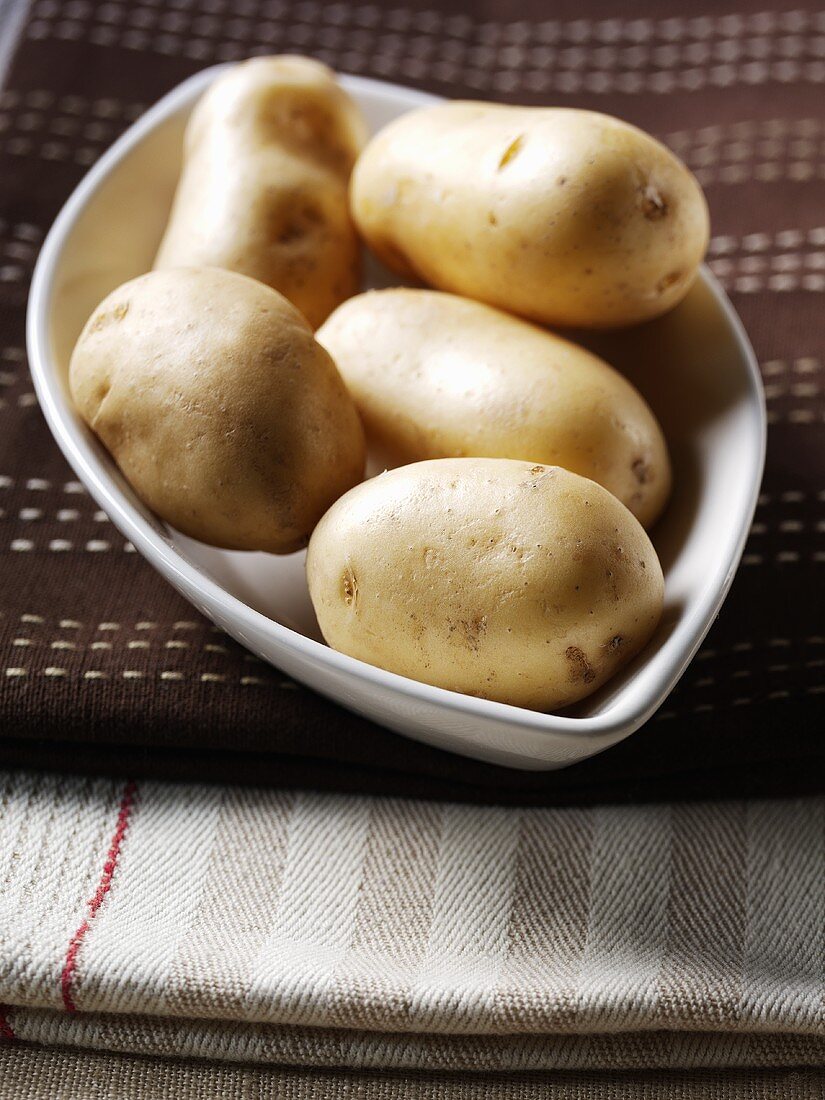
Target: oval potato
x: 525, y: 584
x: 263, y: 189
x: 226, y: 416
x: 438, y: 376
x: 564, y: 216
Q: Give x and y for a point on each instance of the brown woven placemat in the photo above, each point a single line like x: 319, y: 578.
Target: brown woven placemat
x: 737, y: 91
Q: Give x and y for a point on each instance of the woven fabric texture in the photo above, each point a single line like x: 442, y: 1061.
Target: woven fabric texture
x: 105, y: 670
x: 321, y: 930
x: 64, y: 1075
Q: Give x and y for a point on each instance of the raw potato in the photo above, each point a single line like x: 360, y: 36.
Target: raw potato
x: 268, y: 154
x: 226, y: 416
x: 437, y: 376
x: 525, y: 584
x: 567, y: 217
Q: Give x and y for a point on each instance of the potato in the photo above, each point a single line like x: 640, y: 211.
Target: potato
x: 437, y: 376
x: 525, y: 584
x: 567, y: 217
x: 226, y: 416
x: 263, y: 191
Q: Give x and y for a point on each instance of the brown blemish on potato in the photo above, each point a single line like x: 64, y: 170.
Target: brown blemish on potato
x: 653, y: 204
x: 291, y: 232
x: 615, y: 643
x: 614, y: 588
x: 580, y: 667
x: 492, y: 219
x: 538, y: 474
x: 309, y: 129
x: 298, y: 223
x: 667, y: 281
x: 432, y: 558
x: 104, y: 319
x: 473, y: 630
x: 349, y: 587
x: 642, y: 471
x: 511, y: 152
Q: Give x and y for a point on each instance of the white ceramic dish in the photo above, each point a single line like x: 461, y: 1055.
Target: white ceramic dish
x: 695, y: 366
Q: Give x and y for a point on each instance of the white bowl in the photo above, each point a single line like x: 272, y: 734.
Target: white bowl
x: 695, y: 366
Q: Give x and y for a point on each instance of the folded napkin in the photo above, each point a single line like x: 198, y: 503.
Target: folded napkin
x: 319, y: 930
x: 69, y: 1075
x: 104, y: 670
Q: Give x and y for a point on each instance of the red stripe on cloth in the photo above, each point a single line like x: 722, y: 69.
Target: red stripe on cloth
x: 95, y: 902
x: 6, y: 1031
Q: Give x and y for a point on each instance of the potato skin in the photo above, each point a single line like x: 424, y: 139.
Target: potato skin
x: 226, y: 416
x: 566, y: 217
x: 524, y: 584
x: 438, y: 376
x: 263, y: 190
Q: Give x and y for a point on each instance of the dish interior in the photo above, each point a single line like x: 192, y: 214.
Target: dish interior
x: 693, y: 366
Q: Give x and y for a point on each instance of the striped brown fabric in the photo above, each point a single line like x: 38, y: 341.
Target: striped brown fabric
x: 380, y: 934
x: 105, y: 671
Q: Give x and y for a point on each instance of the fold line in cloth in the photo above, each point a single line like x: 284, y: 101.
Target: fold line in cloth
x: 338, y: 1048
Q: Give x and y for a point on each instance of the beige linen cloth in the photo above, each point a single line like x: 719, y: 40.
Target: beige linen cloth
x: 294, y: 929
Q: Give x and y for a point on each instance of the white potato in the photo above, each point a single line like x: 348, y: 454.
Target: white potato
x: 567, y: 217
x: 438, y: 376
x: 263, y: 190
x: 525, y: 584
x: 226, y: 416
